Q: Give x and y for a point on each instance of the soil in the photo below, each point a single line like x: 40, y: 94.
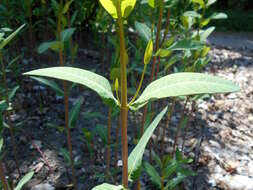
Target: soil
x: 220, y: 138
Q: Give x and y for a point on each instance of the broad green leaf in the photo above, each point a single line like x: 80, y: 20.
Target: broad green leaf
x: 148, y: 52
x: 24, y: 180
x: 87, y: 78
x: 74, y: 112
x: 183, y: 84
x: 135, y: 158
x: 186, y: 44
x: 153, y: 174
x: 51, y: 84
x: 10, y: 37
x: 126, y: 7
x: 217, y: 16
x: 192, y: 14
x: 67, y: 33
x: 106, y: 186
x: 143, y: 30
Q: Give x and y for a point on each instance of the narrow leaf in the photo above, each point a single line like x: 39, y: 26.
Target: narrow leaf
x: 73, y: 115
x: 24, y: 180
x: 174, y: 182
x: 143, y: 31
x: 153, y: 174
x: 135, y: 158
x: 183, y: 84
x: 67, y: 33
x: 106, y: 186
x: 44, y: 47
x: 10, y: 37
x: 51, y: 84
x: 87, y: 78
x: 217, y: 16
x: 186, y: 44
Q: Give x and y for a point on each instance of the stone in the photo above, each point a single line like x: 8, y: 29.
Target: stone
x: 45, y: 186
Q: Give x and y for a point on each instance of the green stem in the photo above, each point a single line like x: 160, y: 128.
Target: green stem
x: 14, y: 146
x: 179, y: 127
x: 139, y: 87
x: 123, y: 108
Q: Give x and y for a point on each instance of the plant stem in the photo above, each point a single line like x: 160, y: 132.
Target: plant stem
x: 167, y: 124
x: 3, y: 179
x: 108, y: 147
x: 140, y: 84
x: 123, y: 108
x: 163, y: 39
x: 66, y: 105
x: 179, y: 127
x: 158, y: 29
x: 188, y: 124
x: 13, y: 142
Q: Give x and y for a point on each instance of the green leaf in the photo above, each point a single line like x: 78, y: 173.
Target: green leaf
x: 143, y: 31
x: 148, y: 52
x: 186, y: 44
x: 151, y: 3
x: 170, y: 169
x: 73, y: 115
x: 153, y: 174
x: 106, y: 186
x: 210, y: 2
x: 1, y: 143
x: 163, y: 53
x: 135, y: 158
x: 65, y: 154
x: 24, y: 180
x: 10, y: 37
x: 66, y: 34
x: 183, y: 84
x: 13, y: 93
x: 45, y: 46
x: 200, y: 2
x: 87, y: 78
x: 51, y: 84
x: 217, y: 16
x: 174, y: 182
x: 126, y: 7
x: 193, y: 14
x: 204, y: 34
x: 66, y: 7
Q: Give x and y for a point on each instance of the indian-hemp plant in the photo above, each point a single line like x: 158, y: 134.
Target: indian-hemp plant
x: 173, y: 85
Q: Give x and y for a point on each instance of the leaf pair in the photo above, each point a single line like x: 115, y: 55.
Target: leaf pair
x: 111, y: 7
x: 179, y: 84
